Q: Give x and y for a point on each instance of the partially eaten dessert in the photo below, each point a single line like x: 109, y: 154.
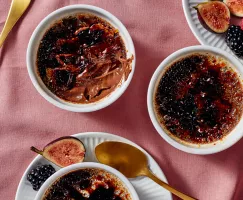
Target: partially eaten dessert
x: 82, y: 59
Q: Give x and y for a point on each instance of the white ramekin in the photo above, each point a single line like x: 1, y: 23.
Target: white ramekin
x: 84, y: 165
x: 235, y: 135
x: 33, y: 47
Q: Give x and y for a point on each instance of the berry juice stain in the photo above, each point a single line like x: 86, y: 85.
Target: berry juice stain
x: 199, y: 99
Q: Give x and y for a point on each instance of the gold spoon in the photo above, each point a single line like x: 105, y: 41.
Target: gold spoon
x: 131, y: 162
x: 17, y: 8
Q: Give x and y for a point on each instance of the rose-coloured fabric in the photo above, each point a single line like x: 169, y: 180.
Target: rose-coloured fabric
x: 158, y: 28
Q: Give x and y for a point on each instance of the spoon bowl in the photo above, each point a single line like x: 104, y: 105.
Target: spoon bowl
x: 131, y: 162
x: 115, y: 154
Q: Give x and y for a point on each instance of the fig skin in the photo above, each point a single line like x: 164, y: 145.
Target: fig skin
x: 214, y: 16
x: 235, y: 7
x: 63, y: 151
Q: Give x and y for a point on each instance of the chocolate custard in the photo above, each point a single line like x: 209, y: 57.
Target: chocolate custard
x: 93, y: 184
x: 199, y: 98
x: 82, y: 59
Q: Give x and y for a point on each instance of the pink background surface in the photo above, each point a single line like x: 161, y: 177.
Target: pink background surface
x: 158, y: 28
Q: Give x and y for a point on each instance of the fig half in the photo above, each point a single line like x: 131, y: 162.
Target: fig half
x: 235, y: 7
x: 215, y: 15
x: 63, y: 151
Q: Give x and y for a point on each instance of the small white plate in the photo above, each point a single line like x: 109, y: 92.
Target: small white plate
x: 146, y: 188
x: 204, y: 36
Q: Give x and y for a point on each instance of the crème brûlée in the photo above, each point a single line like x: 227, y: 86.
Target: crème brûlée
x: 82, y: 59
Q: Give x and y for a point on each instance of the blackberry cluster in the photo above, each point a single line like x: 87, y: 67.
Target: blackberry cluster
x: 39, y: 175
x: 234, y: 40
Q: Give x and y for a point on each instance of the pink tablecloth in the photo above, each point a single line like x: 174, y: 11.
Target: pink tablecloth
x: 158, y: 28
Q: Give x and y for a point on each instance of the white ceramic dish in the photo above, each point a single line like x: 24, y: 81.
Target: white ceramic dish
x: 145, y: 188
x: 204, y: 36
x: 79, y: 166
x: 211, y: 148
x: 33, y: 47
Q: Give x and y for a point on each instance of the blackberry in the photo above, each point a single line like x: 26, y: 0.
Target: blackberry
x: 39, y: 175
x: 234, y: 40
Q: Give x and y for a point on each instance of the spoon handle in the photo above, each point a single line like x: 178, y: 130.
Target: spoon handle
x: 17, y: 8
x: 149, y: 174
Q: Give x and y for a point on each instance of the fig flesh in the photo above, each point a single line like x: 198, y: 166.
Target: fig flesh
x: 215, y: 15
x: 235, y: 7
x: 63, y: 151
